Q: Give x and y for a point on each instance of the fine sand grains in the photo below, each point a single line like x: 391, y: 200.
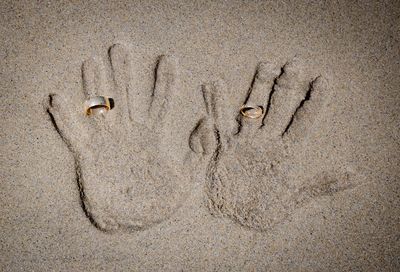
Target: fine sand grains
x: 284, y: 192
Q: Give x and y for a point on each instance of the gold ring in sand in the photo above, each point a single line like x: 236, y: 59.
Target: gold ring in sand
x: 97, y: 102
x: 251, y: 112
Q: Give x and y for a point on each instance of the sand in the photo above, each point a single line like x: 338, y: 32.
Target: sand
x: 173, y: 178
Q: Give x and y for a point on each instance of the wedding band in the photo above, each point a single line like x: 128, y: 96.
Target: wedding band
x: 251, y: 112
x: 97, y: 102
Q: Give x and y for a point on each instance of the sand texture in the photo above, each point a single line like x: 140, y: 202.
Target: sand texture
x: 174, y: 177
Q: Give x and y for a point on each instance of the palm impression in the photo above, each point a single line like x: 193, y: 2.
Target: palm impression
x: 125, y: 159
x: 261, y: 171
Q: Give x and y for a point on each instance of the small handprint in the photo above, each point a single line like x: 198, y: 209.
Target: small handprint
x: 260, y: 173
x: 126, y: 158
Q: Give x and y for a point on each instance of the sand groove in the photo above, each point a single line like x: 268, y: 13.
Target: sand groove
x: 306, y: 98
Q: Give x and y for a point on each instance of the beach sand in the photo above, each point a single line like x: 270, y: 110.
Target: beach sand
x: 63, y: 211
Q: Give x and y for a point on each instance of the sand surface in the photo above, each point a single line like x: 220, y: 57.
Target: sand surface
x: 173, y: 178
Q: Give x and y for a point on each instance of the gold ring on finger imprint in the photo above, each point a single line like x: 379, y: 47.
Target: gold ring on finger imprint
x: 101, y: 103
x: 251, y: 111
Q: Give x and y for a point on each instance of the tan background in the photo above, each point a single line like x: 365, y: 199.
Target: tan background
x: 41, y: 50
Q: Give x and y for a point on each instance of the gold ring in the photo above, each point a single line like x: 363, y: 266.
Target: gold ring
x: 251, y: 112
x: 97, y: 102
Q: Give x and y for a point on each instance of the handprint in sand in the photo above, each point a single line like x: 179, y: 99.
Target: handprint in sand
x: 128, y: 161
x: 261, y: 171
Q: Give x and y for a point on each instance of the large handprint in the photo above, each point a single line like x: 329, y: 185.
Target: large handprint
x: 127, y: 158
x: 262, y: 169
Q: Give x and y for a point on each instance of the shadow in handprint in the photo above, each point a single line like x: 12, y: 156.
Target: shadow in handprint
x: 126, y: 159
x: 260, y: 171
